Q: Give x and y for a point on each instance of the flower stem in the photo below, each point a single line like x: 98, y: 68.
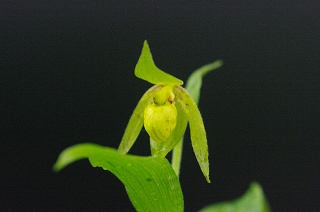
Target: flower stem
x: 176, y: 157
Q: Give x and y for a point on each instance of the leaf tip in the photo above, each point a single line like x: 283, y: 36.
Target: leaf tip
x: 56, y: 167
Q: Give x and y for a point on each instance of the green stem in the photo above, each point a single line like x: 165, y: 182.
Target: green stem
x: 176, y: 157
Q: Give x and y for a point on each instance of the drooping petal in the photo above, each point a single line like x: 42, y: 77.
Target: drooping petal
x: 197, y: 130
x: 136, y: 121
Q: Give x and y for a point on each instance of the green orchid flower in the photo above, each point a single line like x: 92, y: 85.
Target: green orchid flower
x: 165, y: 110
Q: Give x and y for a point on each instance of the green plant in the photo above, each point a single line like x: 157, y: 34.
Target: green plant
x: 165, y: 110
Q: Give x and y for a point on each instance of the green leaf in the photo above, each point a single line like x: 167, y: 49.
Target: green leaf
x: 252, y: 201
x: 195, y: 79
x: 136, y: 121
x: 151, y: 183
x: 197, y: 130
x: 148, y: 71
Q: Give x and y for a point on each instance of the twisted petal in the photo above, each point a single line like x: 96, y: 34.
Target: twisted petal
x: 197, y: 130
x: 136, y: 121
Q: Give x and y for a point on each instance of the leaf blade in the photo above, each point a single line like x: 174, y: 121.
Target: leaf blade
x: 150, y: 182
x: 194, y: 81
x: 253, y: 200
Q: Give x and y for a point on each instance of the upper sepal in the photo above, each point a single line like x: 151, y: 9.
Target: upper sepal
x: 148, y: 71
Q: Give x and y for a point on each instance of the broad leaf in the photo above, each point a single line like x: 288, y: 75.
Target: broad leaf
x: 252, y: 201
x: 148, y: 71
x: 151, y: 183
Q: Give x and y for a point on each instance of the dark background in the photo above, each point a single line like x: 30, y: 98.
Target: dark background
x: 67, y: 78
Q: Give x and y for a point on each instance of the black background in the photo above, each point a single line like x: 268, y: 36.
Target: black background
x: 67, y: 77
